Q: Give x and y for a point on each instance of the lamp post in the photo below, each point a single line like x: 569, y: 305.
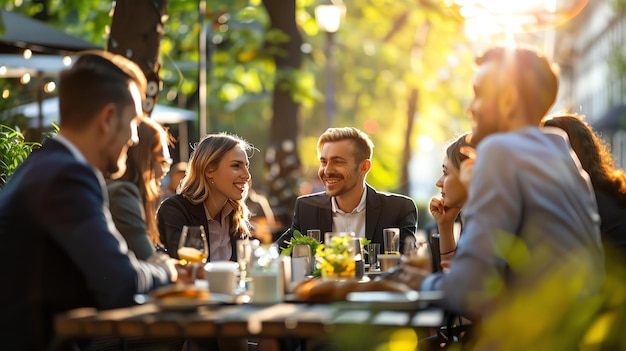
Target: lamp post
x: 328, y: 18
x: 202, y: 70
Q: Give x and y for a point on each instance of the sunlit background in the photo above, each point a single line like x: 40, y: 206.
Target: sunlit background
x: 399, y: 70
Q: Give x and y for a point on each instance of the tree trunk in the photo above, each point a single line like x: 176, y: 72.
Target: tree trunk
x: 136, y: 33
x: 282, y: 159
x: 419, y: 42
x: 406, y: 153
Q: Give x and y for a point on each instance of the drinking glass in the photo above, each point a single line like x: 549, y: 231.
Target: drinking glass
x: 338, y: 261
x: 244, y: 254
x: 193, y: 248
x: 391, y: 241
x: 417, y: 254
x: 373, y: 249
x: 315, y: 234
x: 359, y: 260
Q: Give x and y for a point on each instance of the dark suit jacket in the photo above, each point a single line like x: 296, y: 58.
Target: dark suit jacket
x: 382, y: 211
x: 174, y: 213
x: 59, y: 249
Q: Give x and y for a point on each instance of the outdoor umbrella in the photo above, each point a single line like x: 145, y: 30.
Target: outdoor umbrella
x: 50, y: 112
x: 23, y: 32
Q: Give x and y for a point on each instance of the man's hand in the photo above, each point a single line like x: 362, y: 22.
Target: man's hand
x: 411, y: 275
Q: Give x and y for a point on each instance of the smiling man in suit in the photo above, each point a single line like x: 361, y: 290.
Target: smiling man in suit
x: 348, y: 203
x: 58, y: 243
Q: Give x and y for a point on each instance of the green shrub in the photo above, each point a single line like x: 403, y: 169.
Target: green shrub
x: 13, y: 151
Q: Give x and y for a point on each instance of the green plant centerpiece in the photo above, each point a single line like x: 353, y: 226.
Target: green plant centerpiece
x: 335, y: 262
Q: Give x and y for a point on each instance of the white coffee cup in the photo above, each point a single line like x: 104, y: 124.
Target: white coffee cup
x: 221, y: 276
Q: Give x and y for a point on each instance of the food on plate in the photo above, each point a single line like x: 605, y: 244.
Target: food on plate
x: 180, y: 291
x: 318, y: 290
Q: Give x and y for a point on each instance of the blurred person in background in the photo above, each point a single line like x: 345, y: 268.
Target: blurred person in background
x: 262, y: 220
x: 177, y: 173
x: 134, y: 197
x: 609, y: 182
x: 531, y: 243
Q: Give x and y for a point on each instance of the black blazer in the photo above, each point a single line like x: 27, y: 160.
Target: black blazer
x: 382, y: 210
x: 175, y: 212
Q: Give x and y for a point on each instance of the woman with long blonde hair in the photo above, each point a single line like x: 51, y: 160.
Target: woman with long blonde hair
x: 211, y: 194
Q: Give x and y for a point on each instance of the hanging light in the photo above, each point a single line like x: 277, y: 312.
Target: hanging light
x: 27, y: 54
x: 328, y: 16
x: 49, y: 87
x: 25, y: 79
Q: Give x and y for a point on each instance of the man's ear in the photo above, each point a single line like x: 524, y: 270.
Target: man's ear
x: 366, y: 165
x: 507, y: 100
x: 107, y: 119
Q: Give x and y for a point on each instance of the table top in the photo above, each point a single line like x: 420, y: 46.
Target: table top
x: 288, y: 319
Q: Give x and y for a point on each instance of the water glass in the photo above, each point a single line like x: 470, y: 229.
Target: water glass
x: 391, y: 241
x: 315, y: 234
x: 373, y: 249
x: 244, y: 255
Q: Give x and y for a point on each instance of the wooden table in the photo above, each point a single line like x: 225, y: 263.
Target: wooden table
x: 302, y: 321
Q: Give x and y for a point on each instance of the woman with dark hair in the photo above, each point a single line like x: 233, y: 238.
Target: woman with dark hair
x: 211, y: 194
x: 134, y: 197
x: 446, y: 208
x: 609, y: 182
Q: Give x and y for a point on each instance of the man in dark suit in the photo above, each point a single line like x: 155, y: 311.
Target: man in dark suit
x: 58, y: 244
x: 349, y: 204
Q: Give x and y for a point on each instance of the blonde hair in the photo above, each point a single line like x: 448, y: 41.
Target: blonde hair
x: 207, y: 155
x: 363, y: 144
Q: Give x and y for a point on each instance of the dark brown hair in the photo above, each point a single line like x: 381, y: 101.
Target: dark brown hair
x: 595, y: 157
x: 454, y: 151
x: 96, y: 79
x: 140, y: 170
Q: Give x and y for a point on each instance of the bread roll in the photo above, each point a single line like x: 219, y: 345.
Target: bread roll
x: 316, y: 290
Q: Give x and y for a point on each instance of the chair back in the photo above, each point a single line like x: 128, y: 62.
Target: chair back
x: 435, y: 252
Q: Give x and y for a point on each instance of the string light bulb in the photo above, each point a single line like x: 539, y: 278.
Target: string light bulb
x: 49, y: 87
x: 25, y: 79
